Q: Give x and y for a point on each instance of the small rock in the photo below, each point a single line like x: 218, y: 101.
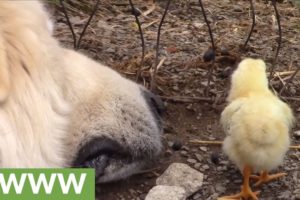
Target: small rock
x: 220, y: 189
x: 163, y: 192
x: 237, y: 181
x: 198, y: 156
x: 292, y: 90
x: 198, y: 24
x: 185, y: 148
x: 297, y: 194
x: 189, y: 107
x: 205, y: 167
x: 219, y: 168
x: 203, y: 148
x: 179, y: 174
x: 285, y: 195
x: 132, y: 192
x: 184, y: 153
x: 192, y: 161
x: 224, y: 51
x: 168, y: 153
x: 196, y: 196
x: 175, y: 88
x: 237, y: 8
x: 197, y: 165
x: 297, y: 134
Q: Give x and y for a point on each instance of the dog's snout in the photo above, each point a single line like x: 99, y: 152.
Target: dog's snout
x: 155, y: 103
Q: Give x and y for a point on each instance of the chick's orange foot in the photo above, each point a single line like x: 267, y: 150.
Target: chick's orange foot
x: 246, y: 193
x: 265, y: 177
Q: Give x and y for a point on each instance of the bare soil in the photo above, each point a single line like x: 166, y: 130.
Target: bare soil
x: 113, y: 39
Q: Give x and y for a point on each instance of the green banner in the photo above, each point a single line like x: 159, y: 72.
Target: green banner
x: 47, y: 184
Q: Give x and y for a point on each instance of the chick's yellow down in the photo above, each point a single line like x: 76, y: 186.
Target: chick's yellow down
x: 256, y: 123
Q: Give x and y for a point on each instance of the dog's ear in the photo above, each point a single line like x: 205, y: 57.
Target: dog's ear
x: 5, y: 79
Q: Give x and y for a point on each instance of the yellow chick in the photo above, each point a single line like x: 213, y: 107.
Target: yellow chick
x: 257, y: 124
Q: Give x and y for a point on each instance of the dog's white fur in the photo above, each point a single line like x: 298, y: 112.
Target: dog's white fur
x: 54, y: 100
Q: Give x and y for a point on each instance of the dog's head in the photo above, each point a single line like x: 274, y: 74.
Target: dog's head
x: 59, y: 108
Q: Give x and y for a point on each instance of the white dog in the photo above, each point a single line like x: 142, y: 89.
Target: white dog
x: 62, y: 109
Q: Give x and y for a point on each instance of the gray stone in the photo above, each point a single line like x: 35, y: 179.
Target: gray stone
x: 163, y: 192
x: 179, y: 174
x: 192, y: 161
x: 220, y: 188
x: 297, y: 134
x: 203, y: 149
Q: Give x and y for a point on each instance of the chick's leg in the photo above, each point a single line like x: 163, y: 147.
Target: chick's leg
x: 246, y: 192
x: 266, y: 177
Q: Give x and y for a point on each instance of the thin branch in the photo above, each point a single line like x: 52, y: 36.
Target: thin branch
x: 153, y: 81
x: 88, y: 23
x: 210, y: 72
x: 69, y: 23
x: 207, y: 23
x: 214, y: 142
x: 206, y: 142
x: 253, y: 23
x: 291, y: 98
x: 183, y: 99
x: 142, y: 39
x: 296, y: 147
x: 279, y: 39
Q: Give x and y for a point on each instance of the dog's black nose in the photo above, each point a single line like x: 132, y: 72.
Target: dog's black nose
x: 155, y: 103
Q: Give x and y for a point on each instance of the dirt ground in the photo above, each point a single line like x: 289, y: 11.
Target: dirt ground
x: 193, y: 109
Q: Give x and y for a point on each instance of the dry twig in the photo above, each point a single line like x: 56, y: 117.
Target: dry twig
x: 142, y: 39
x: 75, y: 42
x: 69, y: 22
x: 279, y: 39
x: 88, y: 23
x: 187, y: 99
x: 253, y: 23
x: 208, y: 142
x: 153, y: 81
x: 208, y: 26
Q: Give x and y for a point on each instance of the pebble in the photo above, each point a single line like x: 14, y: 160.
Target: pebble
x: 203, y: 148
x: 197, y: 165
x: 297, y: 134
x: 189, y: 107
x: 237, y: 181
x: 180, y: 174
x: 205, y: 167
x: 237, y: 8
x: 175, y: 88
x: 196, y: 196
x: 184, y: 153
x: 185, y: 148
x: 192, y: 161
x: 163, y: 192
x: 198, y: 157
x: 168, y: 153
x: 220, y: 189
x: 285, y: 195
